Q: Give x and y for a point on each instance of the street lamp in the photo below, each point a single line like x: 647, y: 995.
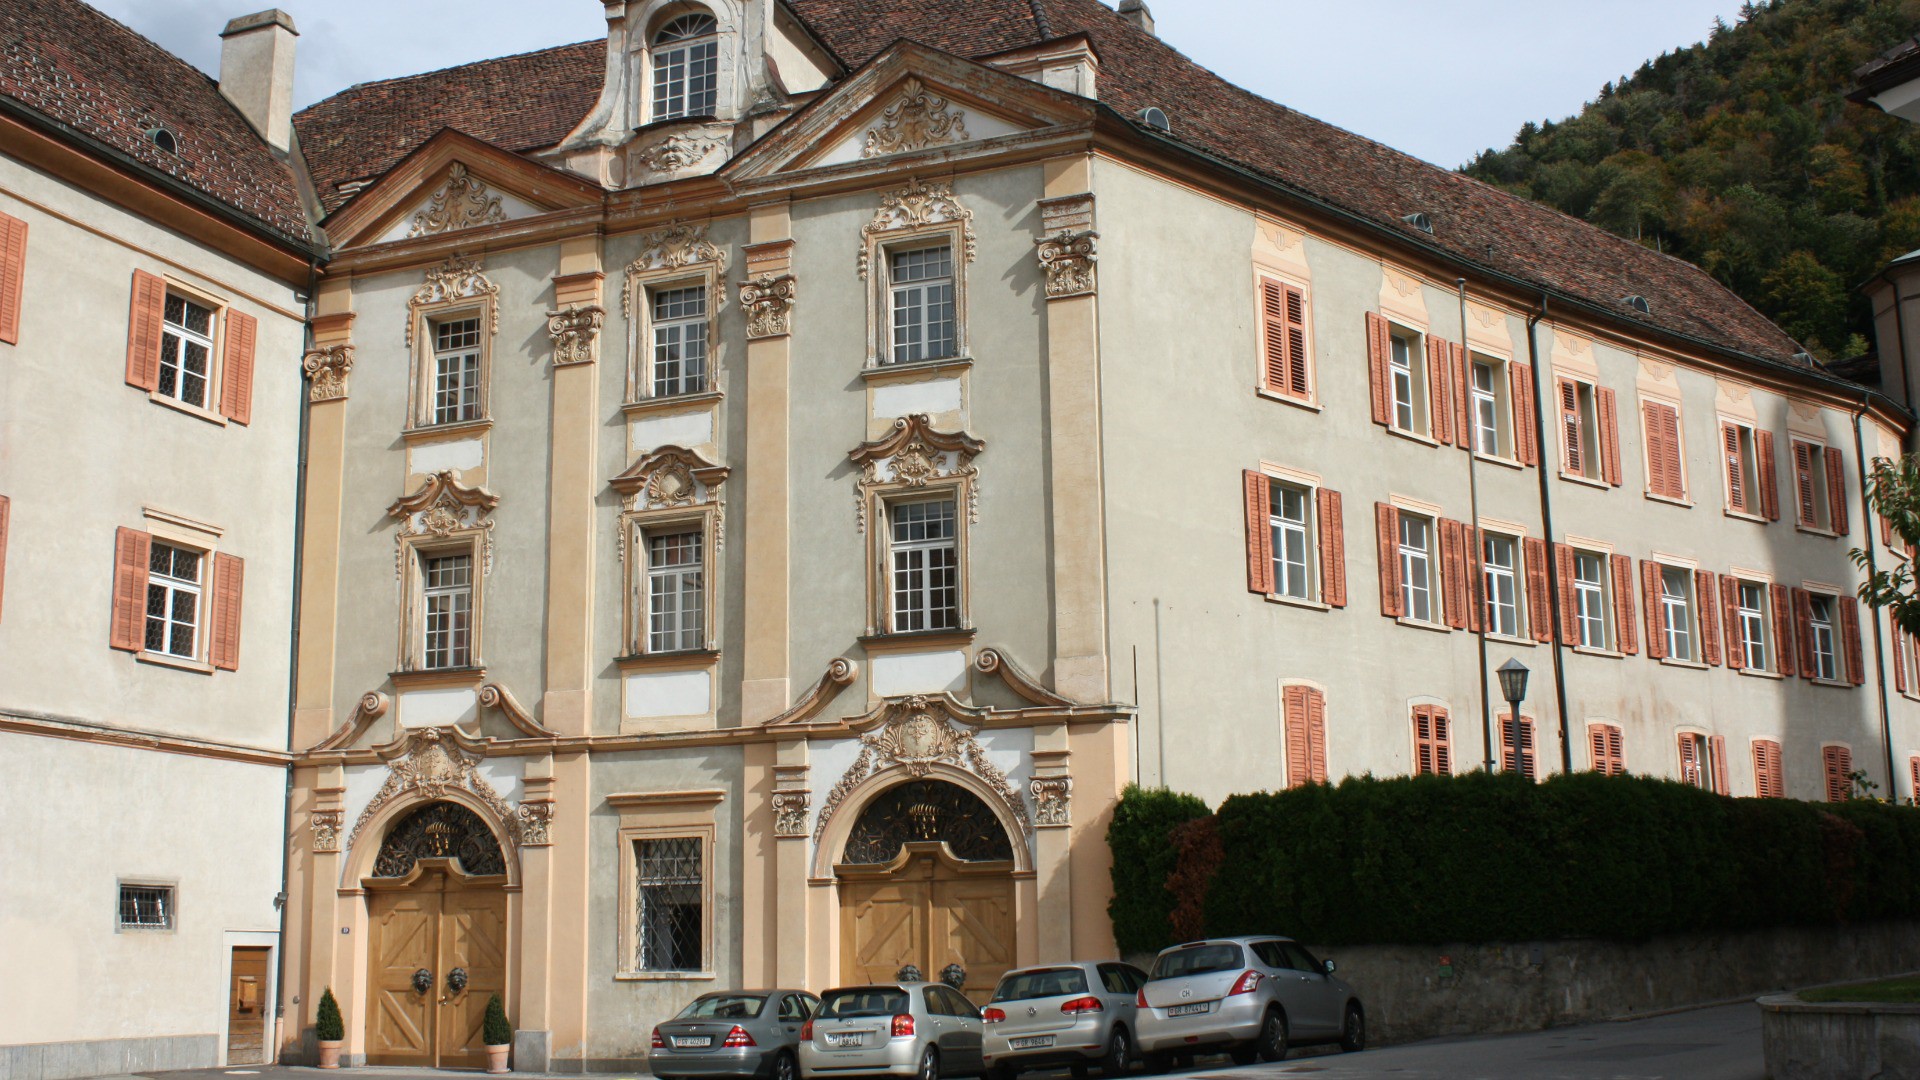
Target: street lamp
x: 1513, y: 687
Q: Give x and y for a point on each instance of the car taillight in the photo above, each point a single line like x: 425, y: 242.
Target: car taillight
x: 658, y: 1042
x: 992, y: 1016
x: 806, y: 1031
x: 1140, y: 999
x: 1082, y: 1005
x: 738, y: 1039
x: 902, y: 1024
x: 1246, y: 984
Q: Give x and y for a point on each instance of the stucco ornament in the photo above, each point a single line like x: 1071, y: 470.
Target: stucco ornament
x: 790, y: 809
x: 327, y: 369
x: 920, y: 732
x: 1052, y: 800
x: 425, y: 764
x: 669, y: 478
x: 917, y: 205
x: 1067, y: 257
x: 458, y: 278
x: 670, y: 249
x: 444, y: 506
x: 677, y: 152
x: 918, y: 120
x: 913, y: 455
x: 326, y: 826
x: 574, y: 330
x: 535, y: 822
x: 768, y: 301
x: 460, y: 203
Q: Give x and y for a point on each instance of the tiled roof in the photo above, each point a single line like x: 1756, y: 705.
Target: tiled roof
x: 74, y: 65
x: 524, y: 102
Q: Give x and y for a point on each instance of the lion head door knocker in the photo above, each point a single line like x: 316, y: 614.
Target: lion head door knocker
x: 909, y: 973
x: 457, y: 980
x: 422, y: 981
x: 954, y: 975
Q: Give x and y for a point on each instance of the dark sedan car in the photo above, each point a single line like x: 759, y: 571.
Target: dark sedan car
x: 734, y: 1033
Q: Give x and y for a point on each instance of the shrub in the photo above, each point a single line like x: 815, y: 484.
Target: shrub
x: 327, y: 1023
x: 495, y: 1031
x: 1140, y: 838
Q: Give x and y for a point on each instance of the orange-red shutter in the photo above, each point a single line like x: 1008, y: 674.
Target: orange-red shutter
x: 1838, y: 761
x: 1453, y: 574
x: 1689, y: 760
x: 1259, y: 532
x: 1651, y: 593
x: 1837, y: 489
x: 1609, y: 437
x: 1768, y: 781
x: 1913, y: 766
x: 144, y: 324
x: 1526, y: 437
x: 1664, y: 476
x: 1476, y: 542
x: 1462, y: 370
x: 1387, y: 521
x: 1316, y: 736
x: 1433, y: 751
x: 1765, y: 467
x: 1570, y: 446
x: 1273, y: 334
x: 1333, y: 550
x: 131, y: 551
x: 1569, y: 606
x: 1706, y: 599
x: 1440, y: 388
x: 1736, y: 480
x: 1539, y: 606
x: 1294, y: 702
x: 13, y: 271
x: 223, y: 649
x: 1525, y: 763
x: 1717, y: 746
x: 1730, y: 605
x: 1850, y: 640
x: 1607, y: 753
x: 1623, y: 618
x: 1783, y: 635
x: 236, y: 376
x: 1803, y: 632
x: 1900, y: 642
x: 1299, y: 377
x: 1803, y: 482
x: 1378, y: 346
x: 6, y: 512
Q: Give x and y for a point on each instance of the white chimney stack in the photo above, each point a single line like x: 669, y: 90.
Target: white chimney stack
x: 1135, y: 12
x: 256, y: 73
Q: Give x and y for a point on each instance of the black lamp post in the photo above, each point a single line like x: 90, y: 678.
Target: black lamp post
x: 1513, y: 687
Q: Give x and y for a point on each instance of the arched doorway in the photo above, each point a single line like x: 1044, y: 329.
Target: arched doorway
x: 436, y: 938
x: 926, y: 878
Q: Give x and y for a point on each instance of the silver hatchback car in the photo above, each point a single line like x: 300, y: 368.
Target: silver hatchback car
x: 1075, y: 1014
x: 733, y: 1034
x: 1251, y: 997
x: 913, y: 1029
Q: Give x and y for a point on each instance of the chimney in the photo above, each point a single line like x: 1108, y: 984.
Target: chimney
x: 256, y: 73
x: 1135, y: 12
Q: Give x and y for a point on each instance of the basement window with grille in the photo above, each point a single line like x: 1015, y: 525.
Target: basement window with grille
x: 146, y: 907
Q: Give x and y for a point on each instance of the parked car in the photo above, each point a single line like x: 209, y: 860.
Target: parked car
x: 1075, y: 1014
x: 1251, y: 997
x: 734, y: 1033
x: 917, y: 1029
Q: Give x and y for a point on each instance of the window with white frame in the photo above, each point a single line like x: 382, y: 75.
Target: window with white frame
x: 1590, y: 598
x: 1291, y: 521
x: 686, y: 67
x: 1406, y: 382
x: 1696, y: 761
x: 921, y: 302
x: 1490, y: 435
x: 456, y: 370
x: 1676, y: 611
x: 924, y: 564
x: 1739, y: 455
x: 670, y: 896
x: 679, y: 322
x: 1751, y: 612
x: 1416, y: 568
x: 1820, y: 622
x: 1500, y: 567
x: 447, y: 610
x: 1579, y: 429
x: 676, y: 591
x: 146, y: 907
x: 186, y: 351
x: 173, y: 600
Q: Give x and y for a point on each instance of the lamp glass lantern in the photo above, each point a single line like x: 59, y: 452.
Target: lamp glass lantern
x: 1513, y: 681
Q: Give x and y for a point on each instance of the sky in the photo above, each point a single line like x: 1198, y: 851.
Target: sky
x: 1442, y: 81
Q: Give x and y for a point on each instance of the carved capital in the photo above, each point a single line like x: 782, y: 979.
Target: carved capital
x: 790, y: 811
x: 326, y: 826
x: 575, y: 330
x: 768, y: 301
x: 327, y: 370
x: 1067, y: 257
x: 1052, y: 800
x: 535, y: 821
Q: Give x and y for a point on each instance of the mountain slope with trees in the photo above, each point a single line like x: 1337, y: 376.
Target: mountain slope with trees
x: 1742, y: 154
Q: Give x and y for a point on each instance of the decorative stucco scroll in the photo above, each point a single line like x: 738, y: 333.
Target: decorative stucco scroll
x: 917, y: 733
x: 326, y: 826
x: 912, y: 455
x: 919, y: 119
x: 1052, y: 800
x: 671, y: 248
x: 428, y: 763
x: 574, y: 330
x: 912, y: 207
x: 444, y: 506
x: 839, y: 675
x: 495, y: 696
x: 327, y: 369
x: 768, y: 301
x: 535, y: 823
x: 372, y: 706
x: 462, y: 202
x: 995, y: 662
x: 458, y: 278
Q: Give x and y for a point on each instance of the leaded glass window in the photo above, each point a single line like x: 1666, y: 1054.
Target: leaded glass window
x: 670, y: 893
x: 173, y: 601
x: 679, y: 341
x: 186, y: 349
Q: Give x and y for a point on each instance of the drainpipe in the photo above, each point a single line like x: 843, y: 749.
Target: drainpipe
x: 1473, y: 526
x: 1873, y: 567
x: 1554, y: 644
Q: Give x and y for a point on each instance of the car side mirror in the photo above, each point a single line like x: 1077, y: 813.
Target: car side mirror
x: 1328, y: 964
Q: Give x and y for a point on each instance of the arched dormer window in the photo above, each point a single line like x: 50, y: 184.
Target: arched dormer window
x: 686, y: 62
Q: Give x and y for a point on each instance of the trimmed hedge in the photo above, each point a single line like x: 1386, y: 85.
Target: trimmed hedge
x: 1493, y: 857
x: 1141, y: 839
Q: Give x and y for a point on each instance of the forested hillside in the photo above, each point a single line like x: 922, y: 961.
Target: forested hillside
x: 1743, y: 155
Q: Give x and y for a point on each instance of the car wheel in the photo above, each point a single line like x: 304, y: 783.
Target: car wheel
x: 1273, y: 1037
x: 1119, y: 1056
x: 929, y: 1065
x: 1158, y: 1063
x: 784, y: 1068
x: 1353, y: 1033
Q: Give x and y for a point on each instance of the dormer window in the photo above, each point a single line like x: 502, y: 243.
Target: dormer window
x: 686, y: 67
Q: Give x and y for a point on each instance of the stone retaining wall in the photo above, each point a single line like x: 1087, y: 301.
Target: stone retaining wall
x: 1838, y: 1040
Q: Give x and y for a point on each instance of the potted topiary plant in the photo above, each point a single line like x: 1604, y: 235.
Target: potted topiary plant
x: 497, y: 1034
x: 329, y: 1030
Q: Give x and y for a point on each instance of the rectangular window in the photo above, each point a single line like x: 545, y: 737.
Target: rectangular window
x: 1609, y: 756
x: 1666, y: 464
x: 1499, y: 560
x: 925, y: 570
x: 1579, y: 430
x: 921, y: 280
x: 1751, y: 611
x: 1676, y: 612
x: 448, y: 608
x: 670, y: 893
x: 1416, y: 569
x: 679, y: 340
x: 1696, y: 761
x: 1432, y: 743
x: 1488, y: 435
x: 1405, y: 385
x: 1291, y: 525
x: 146, y: 907
x: 1740, y: 458
x: 456, y: 371
x: 186, y: 351
x: 1590, y: 598
x: 173, y: 601
x: 676, y: 592
x: 1820, y: 623
x: 686, y: 69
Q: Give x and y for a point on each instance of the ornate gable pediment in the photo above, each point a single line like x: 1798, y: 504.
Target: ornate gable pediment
x: 444, y: 506
x: 913, y: 455
x: 669, y: 477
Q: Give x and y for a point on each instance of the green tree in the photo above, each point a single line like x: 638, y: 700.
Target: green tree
x: 1808, y: 300
x: 1893, y: 491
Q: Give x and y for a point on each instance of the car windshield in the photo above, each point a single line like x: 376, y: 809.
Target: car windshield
x: 723, y: 1007
x: 1196, y: 960
x: 1050, y: 982
x: 863, y: 1001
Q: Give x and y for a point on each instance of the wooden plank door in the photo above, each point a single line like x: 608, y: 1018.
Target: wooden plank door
x: 473, y: 937
x: 972, y: 924
x: 247, y: 1006
x: 403, y: 933
x: 883, y: 927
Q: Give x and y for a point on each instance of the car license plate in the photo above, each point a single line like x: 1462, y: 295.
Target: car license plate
x: 852, y: 1038
x: 1030, y: 1043
x: 692, y: 1042
x: 1189, y: 1010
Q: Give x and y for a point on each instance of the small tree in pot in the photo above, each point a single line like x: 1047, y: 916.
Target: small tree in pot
x: 497, y: 1034
x: 329, y: 1030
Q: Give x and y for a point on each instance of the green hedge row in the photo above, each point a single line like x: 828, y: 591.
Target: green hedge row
x: 1482, y: 857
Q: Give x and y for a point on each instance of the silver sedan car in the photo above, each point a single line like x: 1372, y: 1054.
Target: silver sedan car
x: 1075, y: 1014
x: 734, y: 1033
x: 1251, y: 997
x: 914, y: 1029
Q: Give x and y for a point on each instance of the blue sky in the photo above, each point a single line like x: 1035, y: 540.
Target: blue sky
x: 1438, y: 80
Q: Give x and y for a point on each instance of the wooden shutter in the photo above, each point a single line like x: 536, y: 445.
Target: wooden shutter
x: 1768, y: 781
x: 1837, y: 490
x: 1624, y: 623
x: 1690, y: 760
x: 1525, y: 765
x: 1803, y: 454
x: 1259, y: 493
x: 1662, y: 424
x: 13, y: 270
x: 131, y: 551
x: 1717, y: 747
x: 1462, y: 370
x: 1432, y: 741
x: 1913, y: 766
x: 1333, y: 550
x: 1317, y: 735
x: 1453, y: 574
x: 1440, y: 389
x: 1387, y: 521
x: 1379, y: 345
x: 1305, y: 711
x: 1476, y: 543
x: 236, y: 375
x: 1607, y: 752
x: 1730, y: 607
x: 1526, y: 438
x: 1766, y: 469
x: 1783, y: 636
x: 1706, y: 602
x: 1609, y: 436
x: 1571, y: 450
x: 6, y: 512
x: 1838, y: 761
x: 1284, y: 338
x: 1850, y: 640
x: 223, y: 649
x: 1802, y: 602
x: 144, y: 323
x: 1569, y: 607
x: 1736, y: 478
x: 1656, y: 610
x: 1539, y: 605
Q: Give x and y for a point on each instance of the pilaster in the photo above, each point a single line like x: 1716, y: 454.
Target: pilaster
x: 575, y: 328
x: 1051, y: 789
x: 792, y: 819
x: 329, y: 365
x: 767, y: 684
x: 533, y: 1037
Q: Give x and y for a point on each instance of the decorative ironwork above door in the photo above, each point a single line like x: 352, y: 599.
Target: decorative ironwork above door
x: 440, y: 830
x: 923, y: 811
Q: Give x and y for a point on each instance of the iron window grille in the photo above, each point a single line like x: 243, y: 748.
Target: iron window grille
x: 456, y: 371
x: 672, y: 881
x: 449, y: 611
x: 679, y: 341
x: 173, y: 601
x: 921, y: 280
x: 146, y: 907
x: 926, y: 566
x: 186, y: 351
x: 675, y: 592
x: 1292, y: 542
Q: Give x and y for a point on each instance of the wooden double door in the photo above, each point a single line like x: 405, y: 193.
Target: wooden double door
x: 437, y: 947
x: 929, y: 910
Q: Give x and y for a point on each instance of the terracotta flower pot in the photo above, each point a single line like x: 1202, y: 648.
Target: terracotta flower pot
x: 497, y: 1058
x: 330, y: 1053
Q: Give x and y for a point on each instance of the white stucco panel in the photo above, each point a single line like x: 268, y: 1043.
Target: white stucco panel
x: 905, y: 399
x: 652, y: 694
x: 453, y: 454
x: 437, y: 708
x: 919, y: 673
x: 684, y: 429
